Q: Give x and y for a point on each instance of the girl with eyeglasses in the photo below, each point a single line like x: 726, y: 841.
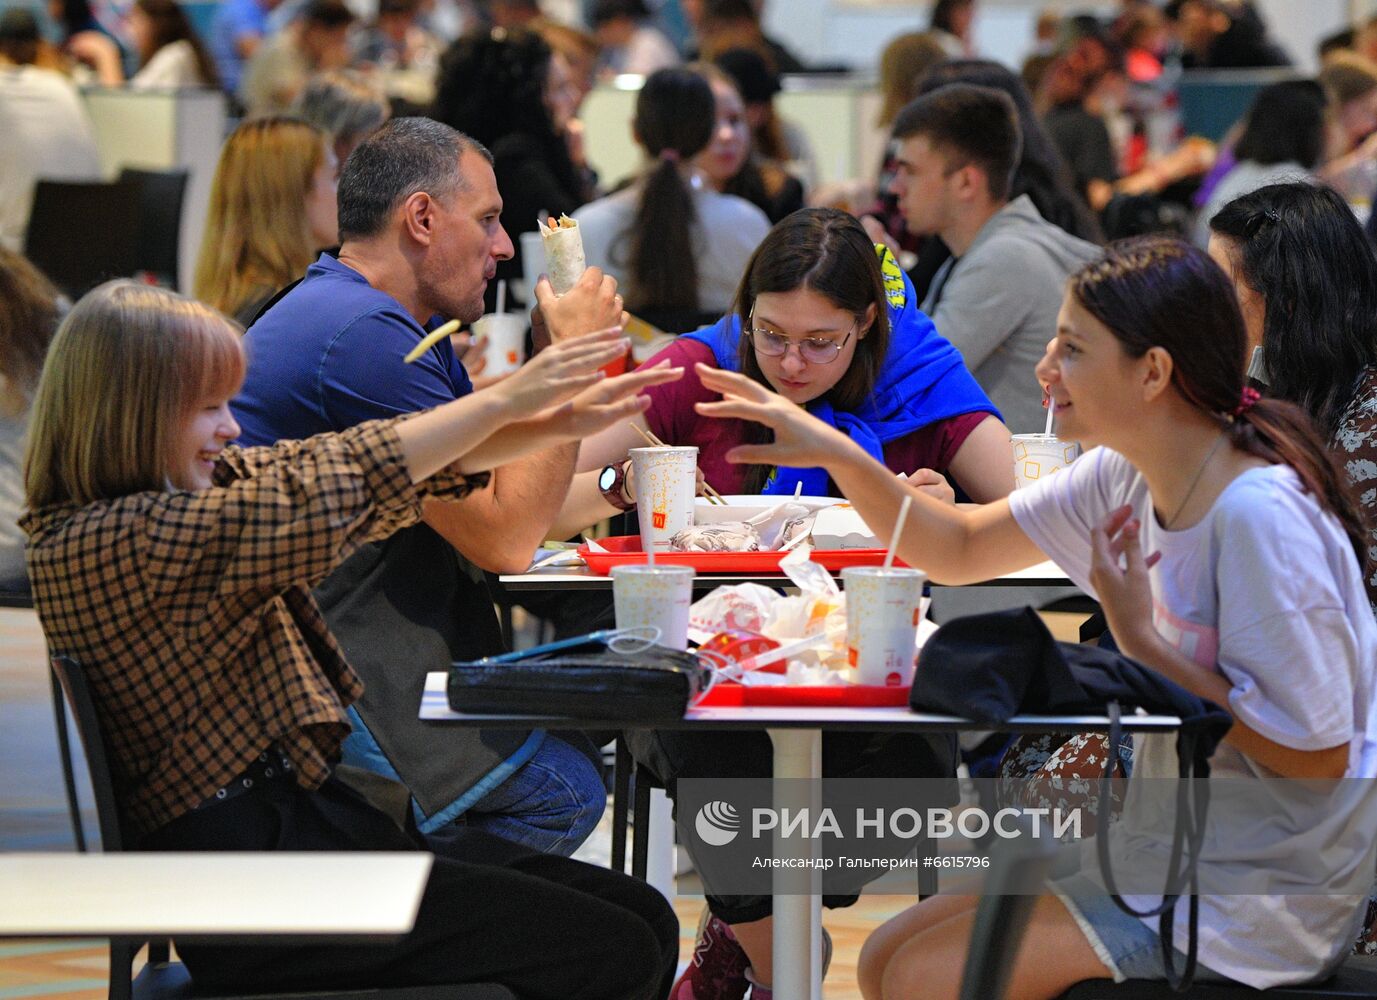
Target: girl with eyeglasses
x: 830, y: 322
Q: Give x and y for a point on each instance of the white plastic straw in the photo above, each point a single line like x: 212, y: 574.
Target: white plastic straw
x: 898, y: 530
x: 798, y: 489
x: 502, y: 296
x: 1051, y: 412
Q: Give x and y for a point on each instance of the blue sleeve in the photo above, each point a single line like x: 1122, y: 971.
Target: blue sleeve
x: 244, y: 17
x: 363, y: 376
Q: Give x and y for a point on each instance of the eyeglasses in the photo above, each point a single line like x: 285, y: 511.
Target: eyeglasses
x: 814, y: 350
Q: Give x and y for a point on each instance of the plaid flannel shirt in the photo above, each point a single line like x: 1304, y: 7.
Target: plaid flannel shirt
x: 191, y: 612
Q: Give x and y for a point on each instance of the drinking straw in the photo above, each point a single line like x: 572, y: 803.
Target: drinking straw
x: 898, y: 530
x: 798, y: 489
x: 1051, y: 412
x: 502, y: 296
x: 712, y: 495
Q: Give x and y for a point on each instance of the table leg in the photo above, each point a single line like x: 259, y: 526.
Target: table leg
x: 797, y: 891
x: 660, y: 861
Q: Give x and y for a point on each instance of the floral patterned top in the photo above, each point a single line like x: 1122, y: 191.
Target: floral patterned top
x: 1356, y: 444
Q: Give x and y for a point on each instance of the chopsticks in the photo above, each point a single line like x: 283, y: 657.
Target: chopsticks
x: 712, y: 495
x: 431, y: 339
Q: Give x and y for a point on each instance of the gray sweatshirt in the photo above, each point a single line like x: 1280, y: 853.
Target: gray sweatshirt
x: 998, y: 305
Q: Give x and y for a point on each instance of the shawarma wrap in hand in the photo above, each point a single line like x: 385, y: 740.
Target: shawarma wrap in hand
x: 564, y: 262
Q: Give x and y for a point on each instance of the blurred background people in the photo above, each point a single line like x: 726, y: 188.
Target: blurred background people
x: 735, y: 24
x: 507, y: 89
x: 316, y: 40
x: 346, y: 105
x: 92, y: 46
x: 630, y: 44
x: 47, y: 132
x: 237, y: 31
x: 169, y: 51
x: 774, y: 138
x: 272, y: 210
x: 397, y: 40
x: 28, y: 318
x: 1350, y: 82
x: 676, y: 246
x: 729, y: 164
x: 1283, y: 139
x: 952, y: 21
x: 1223, y: 34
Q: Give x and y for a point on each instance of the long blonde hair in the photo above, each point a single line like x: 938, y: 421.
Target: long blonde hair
x: 257, y: 236
x: 125, y: 368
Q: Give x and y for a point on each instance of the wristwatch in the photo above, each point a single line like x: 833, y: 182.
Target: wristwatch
x: 612, y: 483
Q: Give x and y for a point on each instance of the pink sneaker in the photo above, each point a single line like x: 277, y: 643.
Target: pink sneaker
x: 759, y: 992
x: 718, y: 968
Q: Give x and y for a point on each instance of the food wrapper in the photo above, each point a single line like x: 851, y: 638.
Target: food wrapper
x: 819, y: 610
x: 564, y: 262
x: 742, y: 606
x: 724, y: 536
x: 841, y: 527
x: 768, y: 530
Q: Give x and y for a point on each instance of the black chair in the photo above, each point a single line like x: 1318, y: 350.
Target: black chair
x: 161, y: 193
x: 1357, y: 977
x: 24, y: 599
x: 1016, y: 874
x: 81, y: 234
x: 161, y: 978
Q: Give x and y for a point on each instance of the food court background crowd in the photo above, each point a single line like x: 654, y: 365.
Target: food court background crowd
x: 256, y: 528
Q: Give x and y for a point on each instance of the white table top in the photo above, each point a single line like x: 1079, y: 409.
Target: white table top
x: 1044, y: 574
x: 212, y: 895
x: 435, y: 708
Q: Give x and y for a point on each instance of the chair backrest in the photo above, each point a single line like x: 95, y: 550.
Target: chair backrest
x: 82, y: 707
x: 81, y: 233
x: 161, y: 193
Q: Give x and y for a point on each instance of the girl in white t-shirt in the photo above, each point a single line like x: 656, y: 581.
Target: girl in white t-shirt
x: 1213, y: 529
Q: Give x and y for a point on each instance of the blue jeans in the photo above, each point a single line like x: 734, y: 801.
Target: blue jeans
x: 549, y: 804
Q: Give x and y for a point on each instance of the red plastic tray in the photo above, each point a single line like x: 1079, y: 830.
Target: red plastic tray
x: 626, y: 549
x: 730, y: 695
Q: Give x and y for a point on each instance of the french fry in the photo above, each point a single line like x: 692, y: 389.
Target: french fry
x: 431, y: 339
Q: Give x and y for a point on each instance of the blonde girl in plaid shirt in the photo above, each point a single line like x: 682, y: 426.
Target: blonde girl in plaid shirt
x: 176, y: 569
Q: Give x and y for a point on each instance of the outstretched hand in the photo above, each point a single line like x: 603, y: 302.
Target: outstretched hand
x: 800, y: 438
x: 609, y: 402
x: 559, y: 372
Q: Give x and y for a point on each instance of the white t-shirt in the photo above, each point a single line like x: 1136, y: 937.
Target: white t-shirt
x: 47, y: 136
x: 725, y: 234
x: 1265, y: 589
x: 173, y: 65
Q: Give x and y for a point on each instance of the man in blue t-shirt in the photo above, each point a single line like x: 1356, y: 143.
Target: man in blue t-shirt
x: 236, y: 33
x: 418, y: 218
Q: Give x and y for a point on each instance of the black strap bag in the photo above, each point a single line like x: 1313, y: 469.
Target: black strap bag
x: 993, y: 666
x: 597, y: 676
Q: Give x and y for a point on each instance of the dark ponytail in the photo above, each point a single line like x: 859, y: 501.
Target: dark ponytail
x: 1154, y: 291
x: 674, y: 121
